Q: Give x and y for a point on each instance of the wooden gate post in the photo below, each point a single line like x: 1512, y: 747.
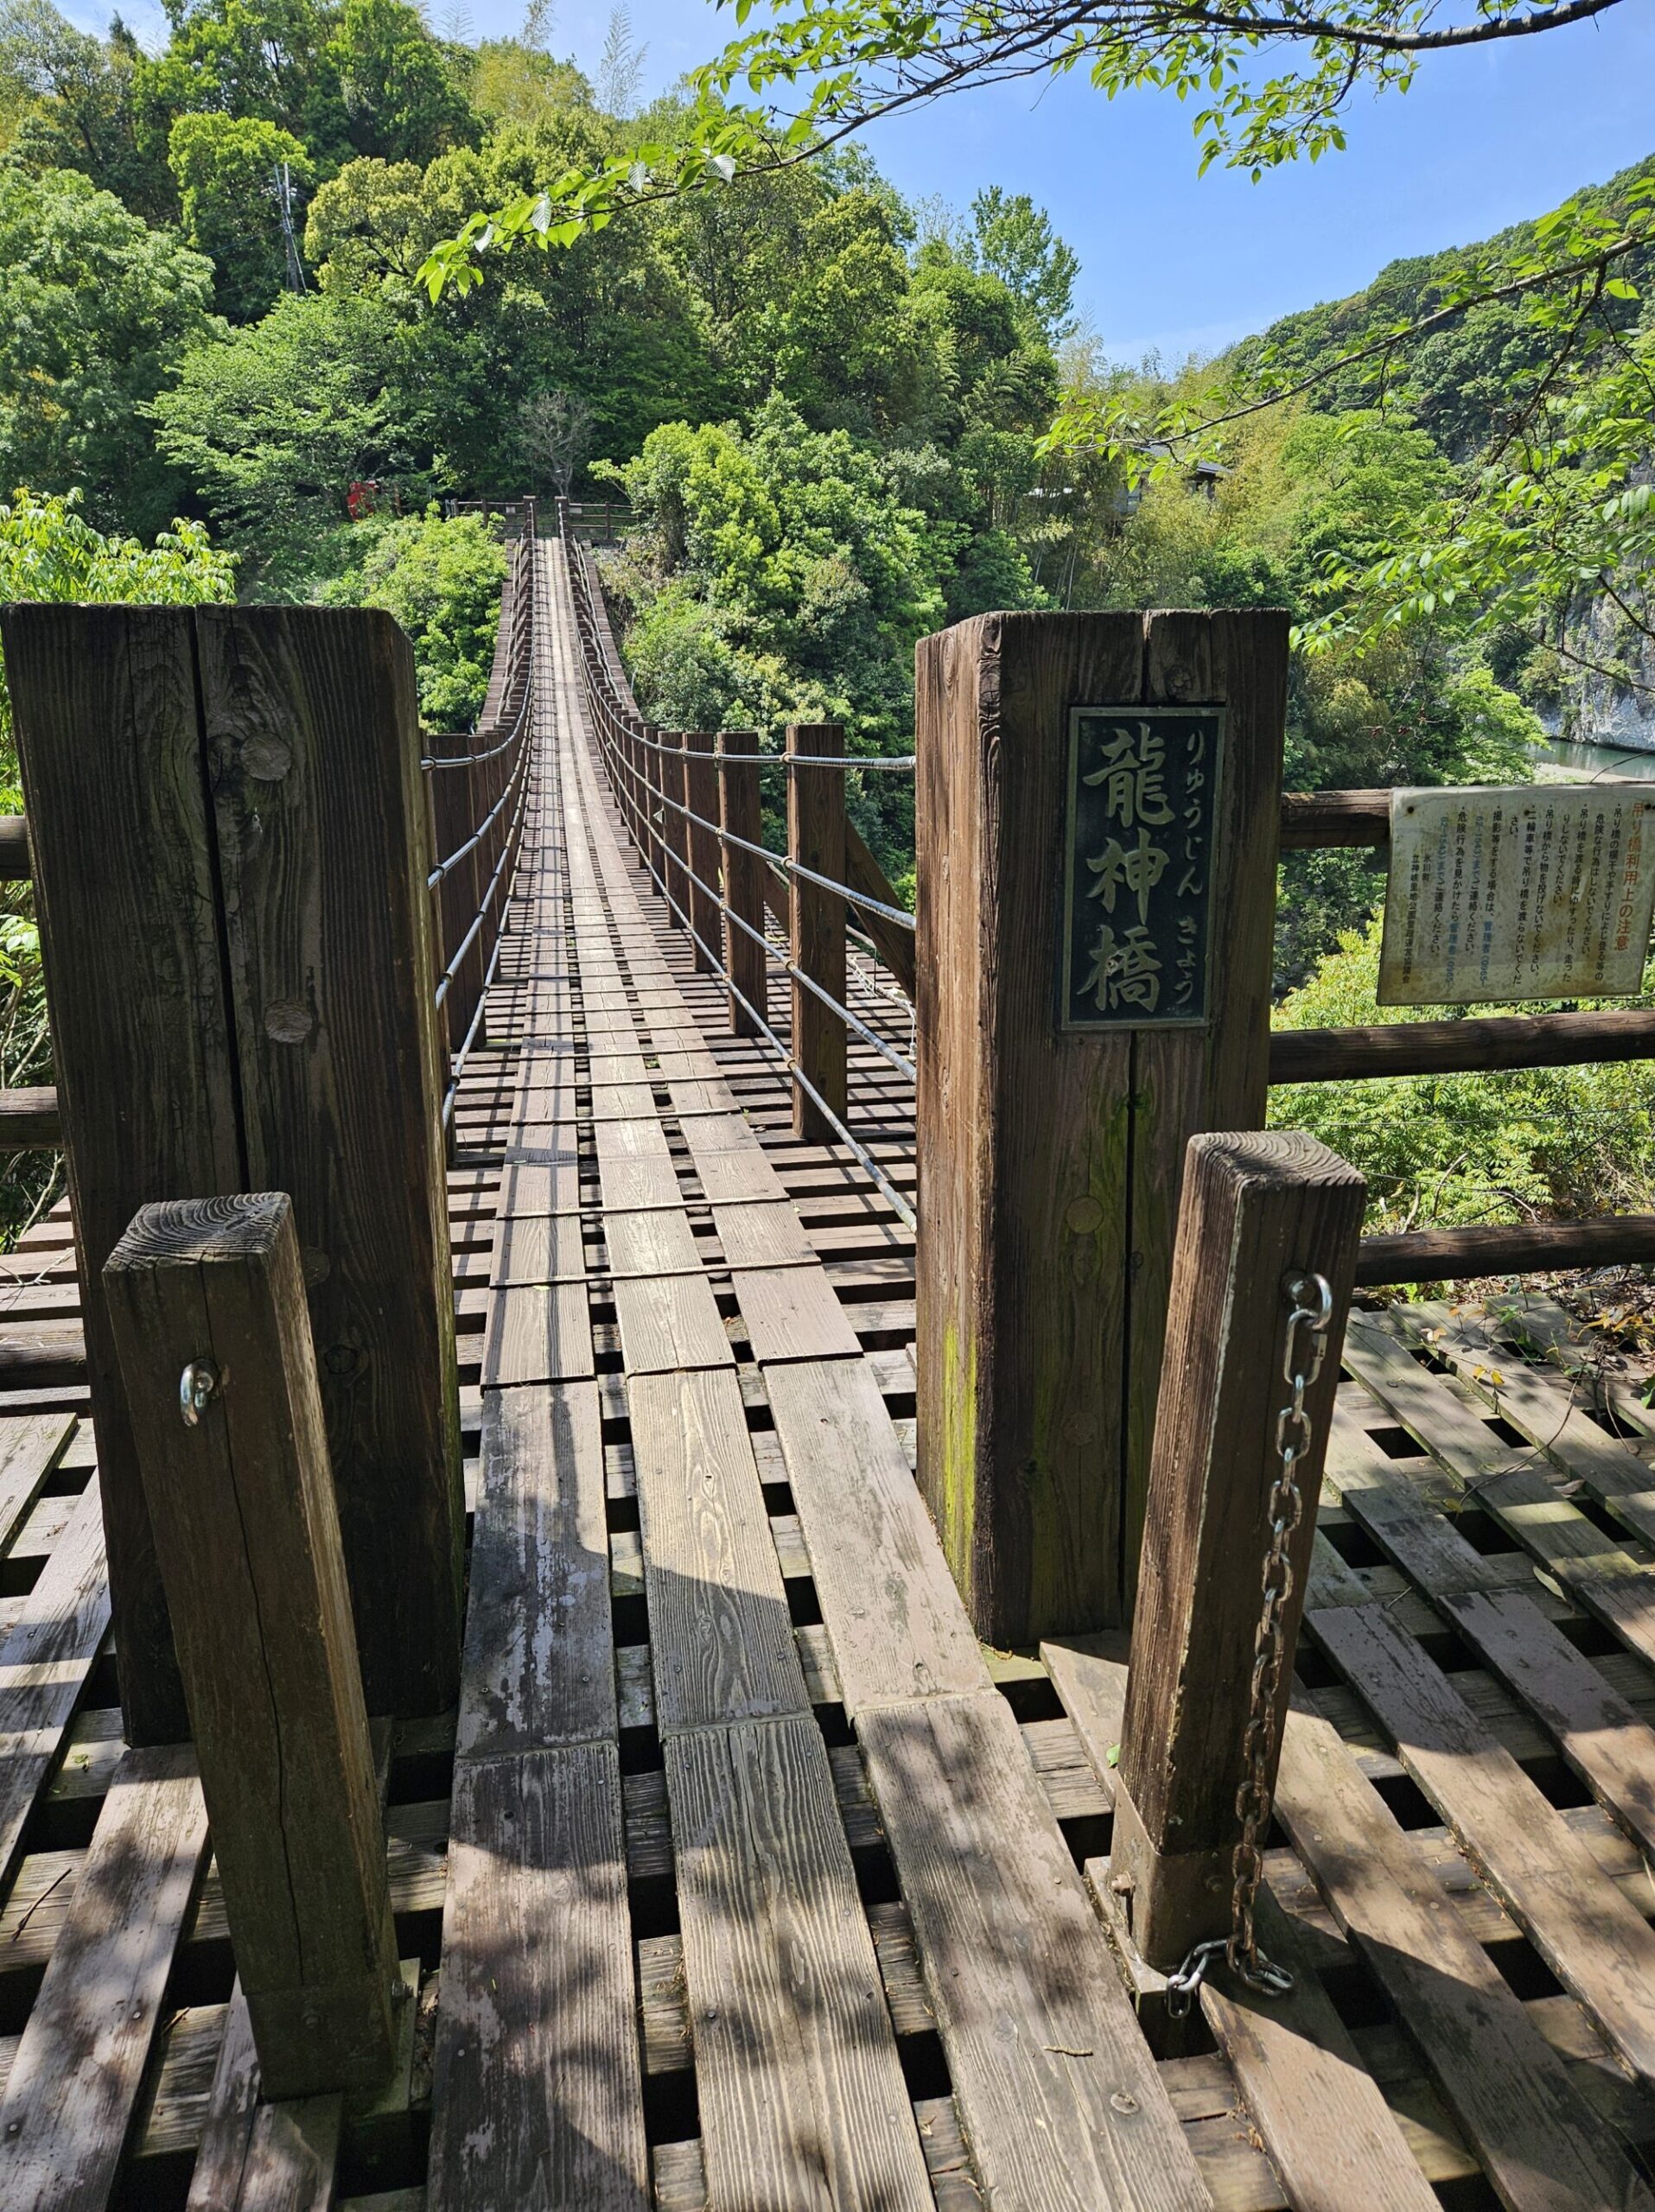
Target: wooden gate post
x: 1260, y: 1211
x: 1053, y: 1114
x: 701, y: 797
x: 241, y: 1495
x: 232, y: 848
x: 740, y: 814
x: 816, y: 840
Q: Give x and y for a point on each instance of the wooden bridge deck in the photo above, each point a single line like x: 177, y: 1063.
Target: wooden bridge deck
x: 743, y: 1877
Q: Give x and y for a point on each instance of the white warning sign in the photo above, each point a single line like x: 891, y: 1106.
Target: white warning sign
x: 1538, y: 890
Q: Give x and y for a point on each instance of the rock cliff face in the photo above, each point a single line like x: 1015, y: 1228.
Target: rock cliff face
x: 1606, y: 708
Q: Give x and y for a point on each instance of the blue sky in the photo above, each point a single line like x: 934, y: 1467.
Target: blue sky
x: 1178, y: 263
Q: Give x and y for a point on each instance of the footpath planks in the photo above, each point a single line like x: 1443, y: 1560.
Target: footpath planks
x: 74, y: 2081
x: 537, y: 2093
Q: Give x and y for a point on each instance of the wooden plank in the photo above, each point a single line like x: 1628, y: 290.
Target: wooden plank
x: 816, y: 840
x: 538, y: 1332
x: 1541, y: 2146
x: 720, y: 1637
x: 659, y: 1242
x: 1058, y: 2094
x: 668, y: 1322
x: 801, y: 2090
x: 1258, y: 1209
x: 44, y: 1665
x: 894, y: 1618
x: 1596, y: 1944
x: 537, y: 2096
x: 1396, y: 1512
x: 248, y: 1537
x: 109, y: 739
x: 540, y: 1183
x: 628, y: 1184
x: 74, y: 2080
x: 256, y: 2156
x: 324, y: 846
x: 763, y: 1235
x: 542, y: 1248
x: 537, y: 1666
x: 733, y: 1178
x: 793, y: 1313
x: 30, y: 1446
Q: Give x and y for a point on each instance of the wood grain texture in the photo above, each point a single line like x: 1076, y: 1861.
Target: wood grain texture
x: 540, y: 1249
x: 1592, y: 1938
x: 256, y: 2156
x: 1540, y: 2144
x: 895, y: 1621
x: 763, y: 1235
x: 109, y: 739
x: 30, y: 1447
x: 1058, y: 2094
x: 659, y: 1242
x: 248, y: 1538
x: 816, y: 840
x: 1258, y: 1208
x: 74, y: 2081
x: 538, y: 2097
x: 1478, y: 1042
x: 740, y: 814
x: 538, y: 1668
x: 1024, y: 1176
x: 895, y: 944
x: 801, y: 2090
x: 538, y: 1332
x: 312, y: 741
x: 44, y: 1665
x: 721, y: 1638
x: 793, y: 1313
x: 668, y: 1322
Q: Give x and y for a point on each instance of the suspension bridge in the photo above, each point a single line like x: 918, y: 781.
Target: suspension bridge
x: 695, y: 1850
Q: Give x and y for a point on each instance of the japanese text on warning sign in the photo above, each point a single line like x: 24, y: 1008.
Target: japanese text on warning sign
x: 1540, y: 892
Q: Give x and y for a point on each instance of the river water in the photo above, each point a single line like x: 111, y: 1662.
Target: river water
x: 1583, y: 764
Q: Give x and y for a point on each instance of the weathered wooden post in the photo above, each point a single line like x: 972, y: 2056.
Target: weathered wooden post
x: 675, y: 831
x: 816, y: 840
x: 1098, y: 801
x: 207, y: 1300
x: 741, y: 814
x: 1268, y: 1230
x: 701, y: 797
x: 233, y: 849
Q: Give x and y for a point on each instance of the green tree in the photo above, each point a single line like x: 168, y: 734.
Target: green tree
x: 441, y: 579
x: 275, y: 422
x: 94, y: 308
x: 1016, y: 242
x: 73, y: 101
x: 226, y: 168
x: 403, y: 95
x: 268, y: 60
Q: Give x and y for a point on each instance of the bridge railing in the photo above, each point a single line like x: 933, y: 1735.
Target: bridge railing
x: 822, y: 914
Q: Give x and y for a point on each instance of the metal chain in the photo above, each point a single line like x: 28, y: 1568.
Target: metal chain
x: 1311, y: 1300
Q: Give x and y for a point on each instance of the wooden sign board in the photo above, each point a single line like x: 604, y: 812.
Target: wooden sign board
x: 1141, y: 800
x: 1538, y: 891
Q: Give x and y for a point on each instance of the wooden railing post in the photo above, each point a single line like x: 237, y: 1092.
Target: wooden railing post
x: 233, y: 849
x: 1262, y: 1212
x: 740, y: 814
x: 207, y: 1300
x: 674, y: 831
x: 701, y: 797
x: 816, y: 840
x: 1053, y: 1120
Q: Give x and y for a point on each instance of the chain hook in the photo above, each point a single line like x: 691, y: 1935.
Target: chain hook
x: 195, y: 1388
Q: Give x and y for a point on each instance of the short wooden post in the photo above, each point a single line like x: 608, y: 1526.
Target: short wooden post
x: 232, y: 848
x: 1052, y: 1147
x: 241, y: 1497
x: 1260, y: 1210
x: 816, y: 840
x: 701, y: 797
x: 741, y: 814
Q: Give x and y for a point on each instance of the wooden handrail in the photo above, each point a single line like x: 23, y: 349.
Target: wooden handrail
x: 29, y: 1121
x: 1477, y: 1045
x: 1311, y: 819
x: 1449, y: 1255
